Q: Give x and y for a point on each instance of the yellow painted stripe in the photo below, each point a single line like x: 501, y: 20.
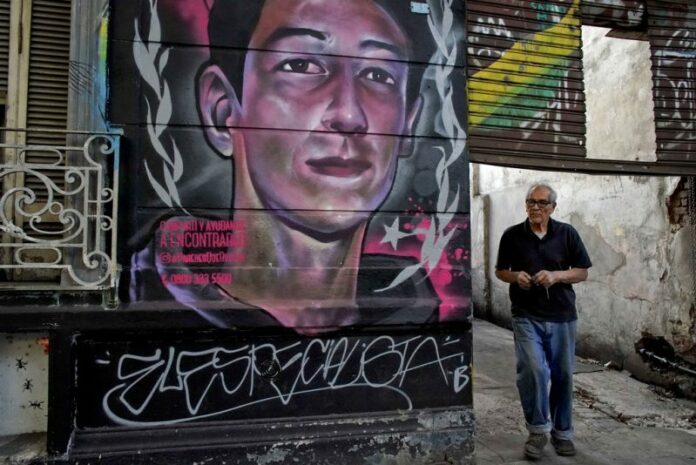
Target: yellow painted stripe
x: 502, y: 78
x: 511, y: 73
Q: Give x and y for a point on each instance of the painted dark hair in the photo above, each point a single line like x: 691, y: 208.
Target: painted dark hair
x: 232, y: 23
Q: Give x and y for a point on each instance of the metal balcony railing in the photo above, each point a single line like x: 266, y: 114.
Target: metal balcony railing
x: 58, y: 209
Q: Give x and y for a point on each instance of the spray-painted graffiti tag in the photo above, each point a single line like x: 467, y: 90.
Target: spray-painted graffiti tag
x: 673, y: 45
x: 229, y: 380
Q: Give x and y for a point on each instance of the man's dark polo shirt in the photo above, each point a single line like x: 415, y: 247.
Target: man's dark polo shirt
x: 561, y: 248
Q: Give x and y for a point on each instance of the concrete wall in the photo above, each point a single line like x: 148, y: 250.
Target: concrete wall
x: 642, y: 282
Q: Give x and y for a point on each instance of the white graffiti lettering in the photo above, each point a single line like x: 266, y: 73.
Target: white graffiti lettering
x: 241, y: 376
x: 678, y: 101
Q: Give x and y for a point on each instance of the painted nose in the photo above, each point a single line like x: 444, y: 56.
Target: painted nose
x: 345, y: 113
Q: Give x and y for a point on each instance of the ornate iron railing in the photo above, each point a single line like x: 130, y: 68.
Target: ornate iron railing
x: 58, y: 209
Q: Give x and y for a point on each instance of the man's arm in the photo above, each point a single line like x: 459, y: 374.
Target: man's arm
x: 549, y: 278
x: 522, y: 278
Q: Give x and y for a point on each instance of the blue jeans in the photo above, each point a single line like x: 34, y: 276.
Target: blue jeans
x: 546, y: 355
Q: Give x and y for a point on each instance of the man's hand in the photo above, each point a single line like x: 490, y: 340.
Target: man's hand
x: 524, y: 280
x: 570, y: 276
x: 521, y: 278
x: 546, y: 278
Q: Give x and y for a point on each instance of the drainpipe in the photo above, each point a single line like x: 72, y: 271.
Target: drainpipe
x: 488, y: 298
x: 665, y: 361
x: 484, y: 228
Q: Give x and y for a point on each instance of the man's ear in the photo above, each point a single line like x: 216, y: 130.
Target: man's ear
x: 219, y: 109
x: 411, y: 120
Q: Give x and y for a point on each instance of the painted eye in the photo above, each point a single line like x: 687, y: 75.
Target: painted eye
x: 301, y: 66
x: 379, y: 75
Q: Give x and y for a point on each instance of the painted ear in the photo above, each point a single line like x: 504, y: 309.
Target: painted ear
x: 219, y: 109
x: 407, y: 141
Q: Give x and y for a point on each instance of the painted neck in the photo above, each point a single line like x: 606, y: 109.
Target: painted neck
x: 299, y: 279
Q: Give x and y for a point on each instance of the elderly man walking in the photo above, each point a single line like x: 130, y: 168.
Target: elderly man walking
x: 541, y: 259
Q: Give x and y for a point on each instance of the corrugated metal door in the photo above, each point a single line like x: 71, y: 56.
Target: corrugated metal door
x: 623, y: 14
x: 672, y: 33
x: 525, y: 86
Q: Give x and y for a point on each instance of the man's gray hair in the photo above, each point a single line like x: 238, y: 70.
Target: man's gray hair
x: 552, y: 193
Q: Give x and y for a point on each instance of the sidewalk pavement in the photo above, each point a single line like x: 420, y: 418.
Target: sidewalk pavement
x: 618, y: 420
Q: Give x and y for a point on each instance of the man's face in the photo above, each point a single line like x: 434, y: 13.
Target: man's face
x: 539, y: 207
x: 323, y: 119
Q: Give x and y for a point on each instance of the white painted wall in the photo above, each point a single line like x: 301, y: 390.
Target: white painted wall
x: 642, y: 280
x: 23, y: 384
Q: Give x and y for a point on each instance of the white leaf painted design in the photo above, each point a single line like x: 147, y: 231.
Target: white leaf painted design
x: 151, y: 59
x: 161, y: 192
x: 441, y: 23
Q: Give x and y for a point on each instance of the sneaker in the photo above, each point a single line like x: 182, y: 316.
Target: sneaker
x: 564, y: 447
x: 534, y: 445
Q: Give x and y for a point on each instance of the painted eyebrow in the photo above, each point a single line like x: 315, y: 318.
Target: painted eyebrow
x: 283, y: 32
x: 395, y: 49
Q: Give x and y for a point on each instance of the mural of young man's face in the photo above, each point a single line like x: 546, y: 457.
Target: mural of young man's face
x: 320, y: 123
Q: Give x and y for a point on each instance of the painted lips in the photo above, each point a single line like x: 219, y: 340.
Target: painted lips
x: 338, y: 167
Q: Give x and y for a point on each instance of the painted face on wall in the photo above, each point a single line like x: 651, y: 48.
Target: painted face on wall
x: 336, y: 96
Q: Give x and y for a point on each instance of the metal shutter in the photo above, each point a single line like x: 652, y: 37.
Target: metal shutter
x: 622, y: 14
x: 672, y: 35
x: 525, y: 84
x: 47, y: 107
x: 4, y: 45
x: 47, y: 97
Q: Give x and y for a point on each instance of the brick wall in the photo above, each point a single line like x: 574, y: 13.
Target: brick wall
x: 678, y: 204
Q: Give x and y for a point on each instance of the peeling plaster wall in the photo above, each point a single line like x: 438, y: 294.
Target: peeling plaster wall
x: 642, y: 279
x: 618, y: 91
